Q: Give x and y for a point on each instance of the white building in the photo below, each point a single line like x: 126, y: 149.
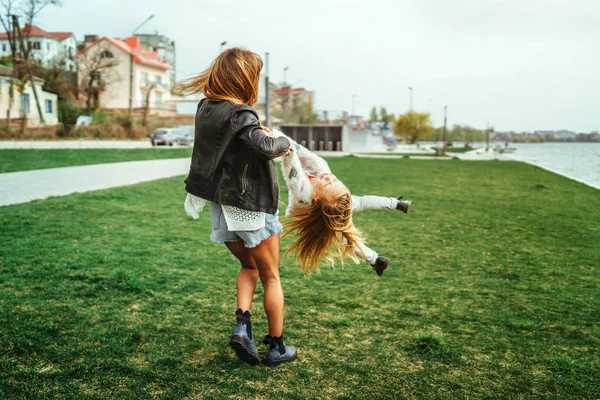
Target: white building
x: 134, y: 72
x: 24, y: 105
x: 165, y: 48
x: 46, y: 47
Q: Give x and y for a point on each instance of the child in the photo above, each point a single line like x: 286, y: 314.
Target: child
x: 232, y: 168
x: 321, y: 209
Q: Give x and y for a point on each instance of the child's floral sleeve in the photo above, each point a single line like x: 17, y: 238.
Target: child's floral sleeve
x: 311, y: 162
x: 299, y: 188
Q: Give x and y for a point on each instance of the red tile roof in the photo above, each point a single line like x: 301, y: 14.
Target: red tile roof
x: 140, y: 54
x: 36, y: 31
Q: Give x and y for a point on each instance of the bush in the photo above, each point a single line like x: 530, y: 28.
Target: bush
x: 99, y: 117
x: 67, y: 116
x: 102, y: 131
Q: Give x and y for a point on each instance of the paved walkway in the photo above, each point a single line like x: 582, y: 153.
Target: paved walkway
x: 24, y: 186
x: 75, y: 144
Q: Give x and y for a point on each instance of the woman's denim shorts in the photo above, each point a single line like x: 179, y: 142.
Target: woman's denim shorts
x: 220, y: 233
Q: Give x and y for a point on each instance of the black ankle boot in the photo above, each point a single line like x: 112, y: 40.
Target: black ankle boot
x: 241, y: 339
x: 278, y: 351
x: 403, y: 205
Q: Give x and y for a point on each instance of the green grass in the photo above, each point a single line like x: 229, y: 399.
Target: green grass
x: 492, y: 292
x: 391, y: 153
x: 27, y: 159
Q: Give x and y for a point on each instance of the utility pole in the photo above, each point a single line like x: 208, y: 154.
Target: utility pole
x: 444, y: 138
x: 411, y: 99
x: 28, y: 66
x: 267, y: 92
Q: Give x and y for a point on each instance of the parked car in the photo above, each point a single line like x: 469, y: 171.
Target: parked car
x: 185, y: 135
x: 184, y: 138
x: 166, y: 136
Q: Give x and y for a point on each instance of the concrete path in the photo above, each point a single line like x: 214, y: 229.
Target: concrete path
x: 76, y: 144
x: 24, y: 186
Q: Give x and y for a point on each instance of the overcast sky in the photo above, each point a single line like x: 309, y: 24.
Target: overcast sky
x: 519, y: 64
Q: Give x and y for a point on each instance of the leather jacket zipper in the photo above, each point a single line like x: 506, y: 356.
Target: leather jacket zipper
x: 244, y: 178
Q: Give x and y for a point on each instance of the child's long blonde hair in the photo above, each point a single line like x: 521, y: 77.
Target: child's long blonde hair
x: 232, y: 76
x: 323, y: 230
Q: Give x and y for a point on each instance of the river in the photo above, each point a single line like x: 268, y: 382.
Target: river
x: 580, y: 161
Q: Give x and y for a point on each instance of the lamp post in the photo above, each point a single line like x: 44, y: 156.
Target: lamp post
x: 223, y: 44
x: 267, y: 92
x: 444, y: 139
x: 131, y: 60
x: 284, y: 75
x: 411, y: 99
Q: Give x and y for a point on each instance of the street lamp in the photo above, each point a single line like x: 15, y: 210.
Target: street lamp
x: 411, y: 98
x: 284, y: 75
x: 267, y: 92
x: 131, y: 59
x: 223, y: 43
x: 142, y: 24
x: 444, y: 137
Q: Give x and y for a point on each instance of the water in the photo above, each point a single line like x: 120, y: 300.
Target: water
x: 579, y: 161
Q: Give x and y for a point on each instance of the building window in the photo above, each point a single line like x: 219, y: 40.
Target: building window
x: 106, y: 54
x: 144, y: 79
x: 49, y: 107
x: 3, y: 47
x: 144, y: 99
x: 34, y: 45
x: 158, y: 100
x: 25, y: 103
x: 48, y: 46
x: 158, y: 80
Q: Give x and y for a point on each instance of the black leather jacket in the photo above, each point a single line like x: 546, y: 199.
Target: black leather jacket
x: 232, y: 162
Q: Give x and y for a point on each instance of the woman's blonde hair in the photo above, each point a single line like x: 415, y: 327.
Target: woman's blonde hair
x: 232, y: 76
x: 323, y: 230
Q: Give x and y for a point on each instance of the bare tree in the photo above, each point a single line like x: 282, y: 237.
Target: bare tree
x: 97, y: 71
x: 148, y: 90
x: 21, y: 48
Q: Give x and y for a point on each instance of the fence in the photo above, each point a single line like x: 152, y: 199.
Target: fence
x: 317, y: 137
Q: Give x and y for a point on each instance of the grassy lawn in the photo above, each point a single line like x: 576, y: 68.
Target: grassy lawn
x: 392, y: 153
x: 27, y: 159
x: 493, y: 292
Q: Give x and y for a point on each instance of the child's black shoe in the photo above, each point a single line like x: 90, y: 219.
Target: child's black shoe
x: 403, y: 205
x: 381, y: 264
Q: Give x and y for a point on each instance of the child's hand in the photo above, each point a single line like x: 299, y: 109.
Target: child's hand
x: 267, y: 131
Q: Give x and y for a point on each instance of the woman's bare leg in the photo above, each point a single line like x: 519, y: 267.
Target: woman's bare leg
x: 266, y: 256
x: 248, y: 275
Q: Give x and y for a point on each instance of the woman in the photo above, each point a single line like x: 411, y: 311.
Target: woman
x: 232, y: 168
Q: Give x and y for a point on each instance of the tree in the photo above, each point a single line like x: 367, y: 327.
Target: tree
x: 96, y: 71
x: 21, y: 48
x: 374, y: 116
x: 302, y: 113
x: 148, y: 90
x: 413, y: 126
x: 383, y: 114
